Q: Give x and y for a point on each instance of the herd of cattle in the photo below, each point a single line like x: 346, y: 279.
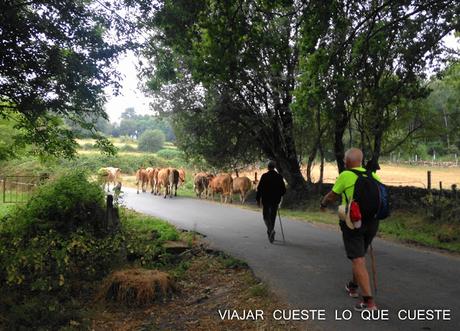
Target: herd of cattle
x: 165, y: 181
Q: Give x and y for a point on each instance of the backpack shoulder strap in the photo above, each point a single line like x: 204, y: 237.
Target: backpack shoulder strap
x: 368, y: 173
x: 356, y: 172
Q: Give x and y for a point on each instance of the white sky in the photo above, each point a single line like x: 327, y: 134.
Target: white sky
x: 132, y: 96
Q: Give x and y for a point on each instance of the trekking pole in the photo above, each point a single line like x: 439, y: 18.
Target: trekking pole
x: 374, y: 275
x: 281, y: 224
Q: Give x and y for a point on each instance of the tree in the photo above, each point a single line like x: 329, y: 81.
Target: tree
x: 55, y: 62
x: 363, y: 65
x: 151, y: 141
x: 214, y: 134
x: 245, y: 51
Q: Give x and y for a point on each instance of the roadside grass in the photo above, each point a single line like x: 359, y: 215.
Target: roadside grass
x: 144, y: 225
x: 404, y: 226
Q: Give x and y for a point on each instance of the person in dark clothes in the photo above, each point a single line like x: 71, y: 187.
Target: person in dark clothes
x: 270, y: 190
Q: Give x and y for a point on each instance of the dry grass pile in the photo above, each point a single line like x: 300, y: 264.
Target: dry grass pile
x: 137, y: 287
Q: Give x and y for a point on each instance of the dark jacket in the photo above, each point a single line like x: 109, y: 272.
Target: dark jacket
x: 271, y: 188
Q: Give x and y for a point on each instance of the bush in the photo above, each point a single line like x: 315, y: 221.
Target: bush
x: 128, y: 148
x: 53, y: 252
x: 64, y: 204
x: 151, y: 141
x: 169, y: 154
x: 51, y: 245
x: 88, y: 146
x: 126, y: 140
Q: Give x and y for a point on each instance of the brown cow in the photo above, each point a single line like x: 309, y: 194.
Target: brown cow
x: 163, y: 180
x: 109, y: 175
x: 242, y: 185
x: 200, y: 184
x: 142, y: 177
x: 181, y: 176
x: 173, y: 181
x: 222, y: 184
x: 154, y: 181
x: 151, y: 177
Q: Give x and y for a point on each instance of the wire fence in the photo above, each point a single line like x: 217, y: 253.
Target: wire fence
x: 17, y: 189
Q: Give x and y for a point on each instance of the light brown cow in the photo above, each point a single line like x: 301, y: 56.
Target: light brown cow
x: 222, y: 184
x: 173, y: 181
x: 154, y: 181
x: 200, y: 184
x: 181, y: 176
x: 142, y: 177
x: 163, y: 181
x: 151, y: 177
x: 242, y: 185
x: 109, y: 175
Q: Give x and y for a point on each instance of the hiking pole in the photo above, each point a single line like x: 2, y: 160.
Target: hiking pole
x: 281, y: 224
x: 374, y: 275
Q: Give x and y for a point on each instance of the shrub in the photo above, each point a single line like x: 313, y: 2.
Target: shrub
x: 126, y: 140
x: 151, y: 141
x: 88, y: 146
x: 52, y: 252
x: 169, y: 154
x: 65, y: 204
x: 128, y: 148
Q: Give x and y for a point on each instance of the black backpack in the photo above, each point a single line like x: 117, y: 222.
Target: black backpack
x: 371, y: 196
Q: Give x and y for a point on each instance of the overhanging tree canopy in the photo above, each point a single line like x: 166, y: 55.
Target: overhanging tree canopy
x: 55, y: 61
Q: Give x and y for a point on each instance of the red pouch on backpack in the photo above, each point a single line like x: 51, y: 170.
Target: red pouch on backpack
x: 355, y: 212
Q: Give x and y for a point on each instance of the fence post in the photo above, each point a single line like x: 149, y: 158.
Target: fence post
x: 109, y: 212
x: 440, y: 189
x: 454, y: 191
x: 428, y: 175
x: 112, y: 219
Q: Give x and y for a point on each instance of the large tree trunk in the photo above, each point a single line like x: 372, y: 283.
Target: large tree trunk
x: 341, y: 122
x: 311, y: 158
x: 282, y: 150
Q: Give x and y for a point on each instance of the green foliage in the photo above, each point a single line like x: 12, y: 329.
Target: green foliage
x: 230, y: 262
x: 90, y: 162
x: 259, y: 290
x: 46, y: 271
x: 227, y: 71
x: 216, y: 135
x: 88, y: 146
x: 133, y: 125
x: 56, y: 63
x: 63, y: 205
x: 126, y: 139
x: 128, y: 148
x: 139, y: 223
x: 169, y: 154
x: 151, y: 141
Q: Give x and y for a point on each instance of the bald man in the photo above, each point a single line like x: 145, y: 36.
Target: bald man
x: 356, y: 241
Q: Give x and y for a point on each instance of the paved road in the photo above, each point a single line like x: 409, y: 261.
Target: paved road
x: 311, y: 269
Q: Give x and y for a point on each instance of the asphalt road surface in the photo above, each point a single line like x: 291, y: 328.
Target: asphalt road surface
x: 311, y: 269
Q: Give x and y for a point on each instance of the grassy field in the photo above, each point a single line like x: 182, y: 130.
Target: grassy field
x: 391, y: 174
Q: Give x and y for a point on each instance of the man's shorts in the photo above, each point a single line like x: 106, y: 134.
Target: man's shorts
x: 358, y: 240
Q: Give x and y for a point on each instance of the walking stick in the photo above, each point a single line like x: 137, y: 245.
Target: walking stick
x: 281, y: 224
x: 374, y: 275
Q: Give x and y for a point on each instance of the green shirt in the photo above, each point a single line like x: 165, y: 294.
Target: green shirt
x: 345, y: 183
